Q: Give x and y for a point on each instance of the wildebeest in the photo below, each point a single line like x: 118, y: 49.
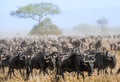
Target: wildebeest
x: 68, y: 58
x: 5, y: 62
x: 42, y: 61
x: 16, y: 62
x: 104, y: 60
x: 96, y: 45
x: 36, y: 62
x: 74, y: 62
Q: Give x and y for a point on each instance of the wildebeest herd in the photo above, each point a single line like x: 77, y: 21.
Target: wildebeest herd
x: 59, y: 54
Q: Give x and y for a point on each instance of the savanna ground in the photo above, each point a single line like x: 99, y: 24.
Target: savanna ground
x: 72, y: 77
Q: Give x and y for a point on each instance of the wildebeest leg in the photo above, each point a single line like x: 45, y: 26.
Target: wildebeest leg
x: 56, y: 78
x: 106, y: 71
x: 111, y: 71
x: 58, y: 73
x: 98, y: 71
x: 13, y: 72
x: 44, y: 70
x: 39, y: 71
x: 27, y: 72
x: 8, y: 72
x: 54, y: 67
x: 3, y: 69
x: 77, y: 75
x: 20, y: 72
x: 81, y: 73
x: 102, y: 71
x: 118, y: 71
x: 31, y: 70
x: 23, y: 73
x: 89, y: 73
x: 35, y: 72
x: 62, y: 74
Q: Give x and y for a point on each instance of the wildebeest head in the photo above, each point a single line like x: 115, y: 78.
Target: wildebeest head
x: 88, y: 64
x: 20, y: 57
x: 113, y: 62
x: 104, y: 60
x: 53, y: 60
x: 110, y: 61
x: 29, y: 51
x: 110, y: 57
x: 91, y: 67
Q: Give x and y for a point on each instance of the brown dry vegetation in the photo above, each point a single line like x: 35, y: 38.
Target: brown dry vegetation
x: 72, y: 77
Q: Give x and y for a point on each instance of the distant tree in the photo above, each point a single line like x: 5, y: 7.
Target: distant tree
x: 102, y: 22
x: 45, y: 27
x: 36, y: 11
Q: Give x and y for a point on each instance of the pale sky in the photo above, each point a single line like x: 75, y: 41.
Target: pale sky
x: 73, y: 13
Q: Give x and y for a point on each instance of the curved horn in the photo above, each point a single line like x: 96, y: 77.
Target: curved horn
x: 93, y: 60
x: 85, y: 61
x: 55, y: 56
x: 90, y: 56
x: 107, y: 54
x: 4, y: 58
x: 66, y: 55
x: 45, y: 57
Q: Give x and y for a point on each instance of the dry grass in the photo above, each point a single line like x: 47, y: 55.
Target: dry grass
x: 72, y: 77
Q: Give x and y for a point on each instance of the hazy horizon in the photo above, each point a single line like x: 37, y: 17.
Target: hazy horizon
x: 73, y: 13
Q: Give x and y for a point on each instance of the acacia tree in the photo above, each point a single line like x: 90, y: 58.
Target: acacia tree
x: 37, y: 12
